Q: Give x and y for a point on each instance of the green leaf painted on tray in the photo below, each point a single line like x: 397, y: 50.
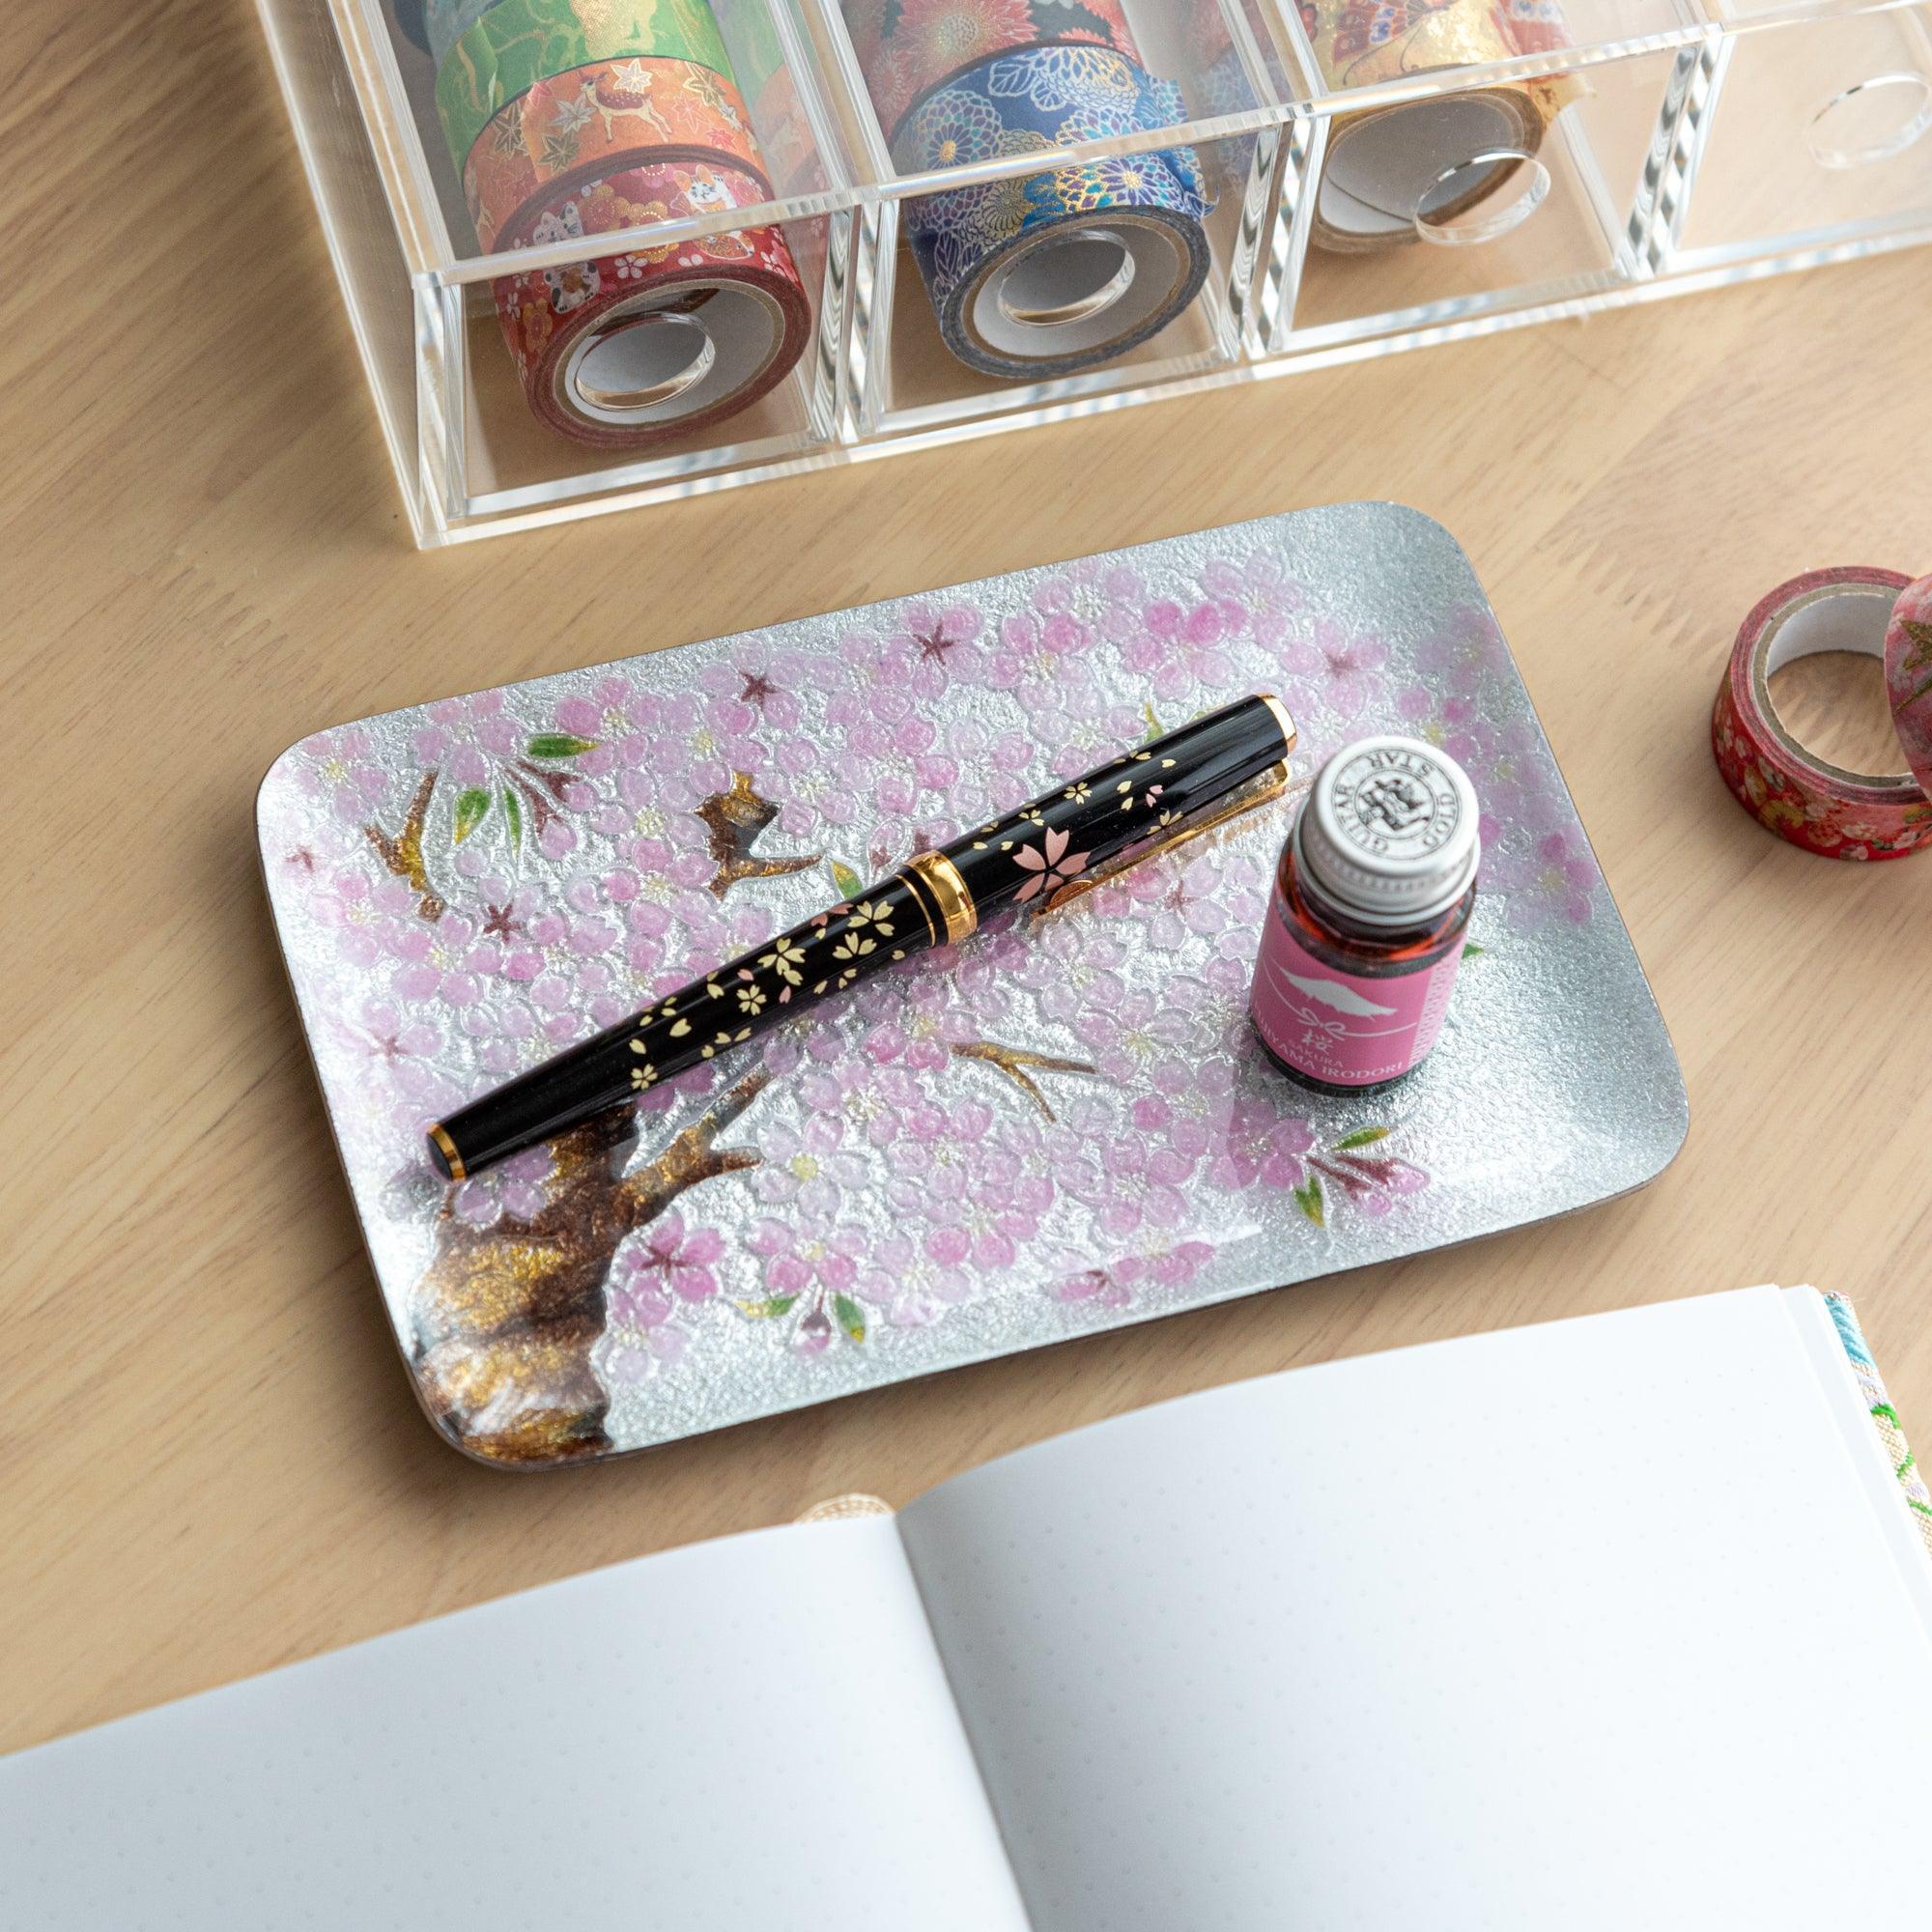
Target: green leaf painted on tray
x: 559, y: 744
x: 1362, y: 1137
x: 513, y: 811
x: 851, y: 1316
x: 1153, y: 723
x: 473, y: 807
x: 1471, y: 951
x: 850, y: 885
x: 1309, y: 1200
x: 769, y: 1309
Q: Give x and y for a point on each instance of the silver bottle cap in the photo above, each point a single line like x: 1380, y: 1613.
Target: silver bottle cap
x: 1388, y: 833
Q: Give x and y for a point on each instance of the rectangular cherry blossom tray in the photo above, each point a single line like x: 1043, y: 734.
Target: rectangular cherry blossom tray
x: 1060, y: 1126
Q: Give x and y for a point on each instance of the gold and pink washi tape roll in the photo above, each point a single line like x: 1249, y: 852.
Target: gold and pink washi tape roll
x: 1424, y: 170
x: 576, y: 119
x: 1804, y: 798
x: 650, y: 343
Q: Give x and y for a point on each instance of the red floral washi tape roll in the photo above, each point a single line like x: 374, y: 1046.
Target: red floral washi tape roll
x: 1801, y: 797
x: 907, y: 49
x: 641, y: 347
x: 594, y: 122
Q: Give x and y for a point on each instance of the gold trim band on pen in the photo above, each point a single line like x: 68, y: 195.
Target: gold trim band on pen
x: 437, y: 1133
x: 940, y: 876
x: 1281, y: 716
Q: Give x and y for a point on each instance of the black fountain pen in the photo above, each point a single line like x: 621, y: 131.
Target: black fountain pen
x: 1170, y: 789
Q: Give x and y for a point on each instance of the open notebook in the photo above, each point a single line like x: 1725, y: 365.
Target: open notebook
x: 1619, y: 1622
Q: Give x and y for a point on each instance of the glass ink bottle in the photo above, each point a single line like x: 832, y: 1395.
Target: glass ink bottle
x: 1368, y: 918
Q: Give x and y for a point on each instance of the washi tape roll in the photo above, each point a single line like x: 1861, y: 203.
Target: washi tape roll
x: 593, y: 121
x: 1053, y: 274
x: 635, y: 349
x: 444, y: 22
x: 516, y: 44
x: 1801, y: 797
x: 1412, y: 172
x: 907, y: 49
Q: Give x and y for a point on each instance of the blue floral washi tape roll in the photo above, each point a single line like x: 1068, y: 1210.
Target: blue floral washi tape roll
x: 1053, y: 274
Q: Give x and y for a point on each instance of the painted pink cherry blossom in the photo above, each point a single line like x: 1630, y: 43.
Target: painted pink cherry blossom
x: 815, y: 788
x: 439, y: 959
x: 338, y: 768
x: 363, y: 908
x: 1462, y: 652
x: 1339, y: 670
x: 669, y: 1255
x: 1249, y: 1142
x: 1256, y: 596
x: 515, y: 1188
x: 1448, y: 719
x: 1555, y: 876
x: 1182, y: 650
x: 908, y: 1286
x: 903, y: 761
x: 467, y: 739
x: 1129, y: 1182
x: 1100, y: 595
x: 933, y: 645
x: 875, y: 1102
x: 799, y: 1259
x: 807, y: 1165
x: 640, y: 1337
x: 1050, y: 869
x: 1095, y: 1288
x: 1126, y: 1035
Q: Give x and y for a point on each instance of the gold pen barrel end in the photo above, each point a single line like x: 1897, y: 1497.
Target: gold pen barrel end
x: 1289, y: 735
x: 443, y: 1154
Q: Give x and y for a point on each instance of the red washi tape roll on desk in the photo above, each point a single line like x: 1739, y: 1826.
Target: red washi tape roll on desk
x: 1804, y: 798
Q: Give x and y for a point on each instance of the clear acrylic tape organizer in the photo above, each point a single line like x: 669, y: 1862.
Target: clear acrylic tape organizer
x: 599, y: 253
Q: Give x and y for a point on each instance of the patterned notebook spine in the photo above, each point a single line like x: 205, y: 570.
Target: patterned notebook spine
x: 1910, y: 1479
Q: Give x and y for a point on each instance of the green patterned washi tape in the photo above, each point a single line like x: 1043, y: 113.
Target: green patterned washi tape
x: 520, y: 42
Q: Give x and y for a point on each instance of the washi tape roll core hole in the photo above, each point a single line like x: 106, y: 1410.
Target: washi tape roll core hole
x: 1400, y: 171
x: 1870, y: 122
x: 1009, y: 323
x: 1450, y: 190
x: 1068, y: 278
x: 1852, y: 622
x: 634, y: 366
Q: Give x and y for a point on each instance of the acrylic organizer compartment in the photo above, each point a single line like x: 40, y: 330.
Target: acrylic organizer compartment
x: 1820, y: 139
x: 1127, y: 262
x: 600, y: 252
x: 1061, y: 1124
x: 1479, y: 159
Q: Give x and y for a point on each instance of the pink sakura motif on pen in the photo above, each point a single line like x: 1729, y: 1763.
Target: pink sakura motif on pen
x: 1050, y: 866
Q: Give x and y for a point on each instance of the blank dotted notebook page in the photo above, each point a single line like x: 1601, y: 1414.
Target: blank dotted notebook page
x: 1595, y: 1625
x: 753, y: 1735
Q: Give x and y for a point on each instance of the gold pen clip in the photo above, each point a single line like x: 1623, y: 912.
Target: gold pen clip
x: 1264, y: 789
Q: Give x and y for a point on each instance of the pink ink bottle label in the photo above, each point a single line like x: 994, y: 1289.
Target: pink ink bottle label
x: 1369, y: 915
x: 1345, y: 1028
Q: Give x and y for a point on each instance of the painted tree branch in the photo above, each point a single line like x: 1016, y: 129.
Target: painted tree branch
x: 506, y: 1317
x: 403, y: 855
x: 1019, y: 1065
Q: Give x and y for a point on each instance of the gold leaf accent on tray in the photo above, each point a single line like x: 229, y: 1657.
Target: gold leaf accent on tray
x: 1019, y: 1065
x: 736, y: 818
x: 505, y: 1317
x: 403, y: 854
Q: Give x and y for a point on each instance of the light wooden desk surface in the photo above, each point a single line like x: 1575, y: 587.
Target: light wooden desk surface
x: 210, y: 1460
